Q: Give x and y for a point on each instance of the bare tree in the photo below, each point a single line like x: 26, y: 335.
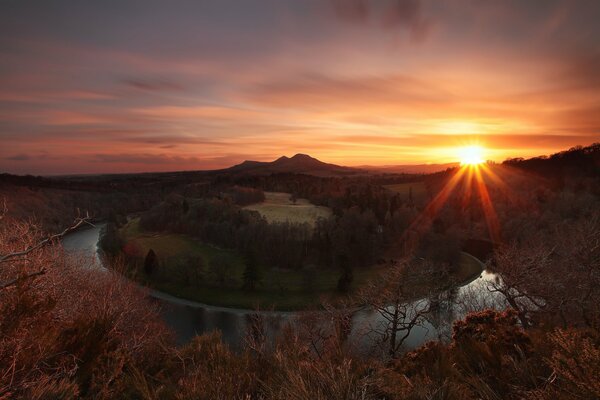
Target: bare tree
x: 578, y: 272
x: 70, y: 311
x: 394, y: 297
x: 255, y: 338
x: 557, y: 279
x: 327, y: 331
x: 522, y: 278
x: 22, y: 255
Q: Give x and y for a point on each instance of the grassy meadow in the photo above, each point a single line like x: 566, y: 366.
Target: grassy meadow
x: 201, y: 272
x: 281, y: 289
x: 419, y: 191
x: 278, y: 207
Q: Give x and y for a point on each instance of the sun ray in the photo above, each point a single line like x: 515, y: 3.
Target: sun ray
x: 466, y: 198
x: 489, y: 212
x: 412, y: 235
x: 472, y: 178
x: 487, y: 171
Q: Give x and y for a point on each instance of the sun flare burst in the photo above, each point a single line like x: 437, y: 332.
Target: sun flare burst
x: 471, y: 155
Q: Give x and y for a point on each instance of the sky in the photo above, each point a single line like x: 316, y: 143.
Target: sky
x: 148, y: 85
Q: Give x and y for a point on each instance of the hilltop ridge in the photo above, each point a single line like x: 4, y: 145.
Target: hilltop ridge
x: 299, y: 164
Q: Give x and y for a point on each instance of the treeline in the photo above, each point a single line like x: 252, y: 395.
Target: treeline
x: 127, y: 193
x: 366, y: 192
x: 354, y: 236
x: 243, y: 196
x: 578, y: 162
x: 54, y: 209
x: 368, y: 220
x: 106, y: 183
x: 55, y: 201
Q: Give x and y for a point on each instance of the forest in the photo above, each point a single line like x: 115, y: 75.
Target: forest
x: 70, y: 331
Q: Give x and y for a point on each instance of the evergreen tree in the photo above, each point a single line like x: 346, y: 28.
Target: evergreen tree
x: 347, y: 277
x: 112, y: 217
x: 110, y: 240
x: 251, y: 272
x: 150, y: 262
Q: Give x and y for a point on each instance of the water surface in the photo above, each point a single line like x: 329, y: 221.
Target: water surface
x: 188, y: 318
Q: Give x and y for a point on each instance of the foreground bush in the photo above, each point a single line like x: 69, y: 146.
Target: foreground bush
x: 75, y: 332
x: 72, y: 330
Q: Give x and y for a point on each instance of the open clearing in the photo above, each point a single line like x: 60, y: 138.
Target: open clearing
x: 280, y: 289
x: 172, y: 247
x: 278, y: 207
x: 419, y: 191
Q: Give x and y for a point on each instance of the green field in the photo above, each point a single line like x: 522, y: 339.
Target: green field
x: 278, y: 207
x: 469, y: 268
x: 167, y: 245
x: 183, y: 259
x: 280, y: 289
x: 419, y: 191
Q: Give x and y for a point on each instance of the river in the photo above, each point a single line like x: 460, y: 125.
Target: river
x: 188, y: 318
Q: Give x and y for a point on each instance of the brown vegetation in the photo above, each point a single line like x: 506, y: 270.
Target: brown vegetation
x: 82, y: 333
x: 70, y: 331
x: 64, y: 336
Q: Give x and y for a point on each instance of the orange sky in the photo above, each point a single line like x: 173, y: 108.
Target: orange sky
x: 150, y: 86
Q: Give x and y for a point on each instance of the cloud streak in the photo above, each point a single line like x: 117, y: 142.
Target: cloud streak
x: 88, y: 88
x: 389, y: 14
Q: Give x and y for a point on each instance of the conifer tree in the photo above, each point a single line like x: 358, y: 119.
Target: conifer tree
x: 251, y: 274
x: 150, y: 262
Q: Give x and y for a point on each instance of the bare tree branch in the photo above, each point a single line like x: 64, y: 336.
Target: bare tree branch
x: 4, y: 210
x: 16, y: 255
x: 21, y: 278
x: 395, y: 300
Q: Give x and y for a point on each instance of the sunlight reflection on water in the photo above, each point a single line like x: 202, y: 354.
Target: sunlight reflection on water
x: 188, y: 318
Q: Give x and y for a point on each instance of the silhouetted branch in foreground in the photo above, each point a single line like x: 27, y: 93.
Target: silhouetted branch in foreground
x: 49, y: 240
x: 22, y: 278
x: 22, y: 255
x: 4, y: 210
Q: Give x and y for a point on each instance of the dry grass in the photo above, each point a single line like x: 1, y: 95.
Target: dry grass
x: 73, y: 331
x: 79, y: 333
x: 418, y: 190
x: 278, y: 207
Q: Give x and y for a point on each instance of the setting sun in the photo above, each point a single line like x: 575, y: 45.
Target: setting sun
x: 471, y: 155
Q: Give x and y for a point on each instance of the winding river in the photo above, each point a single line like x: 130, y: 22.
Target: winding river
x: 188, y: 318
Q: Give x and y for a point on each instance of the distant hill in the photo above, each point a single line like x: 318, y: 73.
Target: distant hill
x: 305, y: 164
x: 298, y: 164
x: 578, y: 161
x: 408, y: 169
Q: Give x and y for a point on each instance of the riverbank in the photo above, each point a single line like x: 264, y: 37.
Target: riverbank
x: 196, y: 271
x: 189, y: 318
x: 287, y: 300
x: 200, y: 272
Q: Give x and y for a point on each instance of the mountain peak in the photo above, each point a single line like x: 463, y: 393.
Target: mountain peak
x: 301, y: 160
x: 301, y: 156
x: 248, y: 162
x: 299, y: 163
x: 281, y: 159
x: 298, y: 158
